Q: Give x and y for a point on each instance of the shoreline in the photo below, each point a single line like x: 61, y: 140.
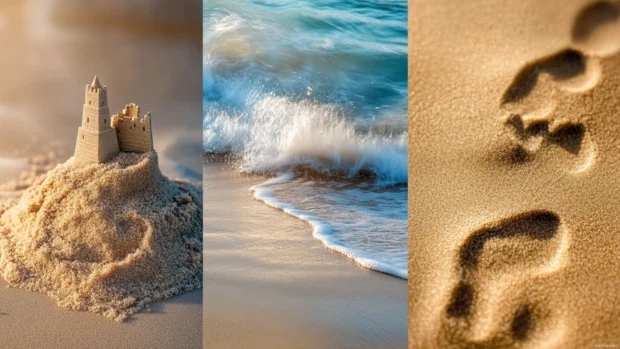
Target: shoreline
x: 322, y: 231
x: 268, y: 278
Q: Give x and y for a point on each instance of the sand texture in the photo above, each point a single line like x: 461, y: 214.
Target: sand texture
x: 514, y: 166
x: 108, y: 238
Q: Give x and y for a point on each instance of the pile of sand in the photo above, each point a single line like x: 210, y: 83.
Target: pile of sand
x: 108, y: 238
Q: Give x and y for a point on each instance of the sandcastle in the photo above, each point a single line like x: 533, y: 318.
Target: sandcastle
x: 101, y: 137
x: 130, y: 237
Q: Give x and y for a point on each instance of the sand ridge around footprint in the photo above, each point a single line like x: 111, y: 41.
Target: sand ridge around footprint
x: 108, y: 238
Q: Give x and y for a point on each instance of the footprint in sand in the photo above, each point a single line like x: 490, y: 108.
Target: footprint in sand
x: 499, y: 259
x: 536, y: 105
x: 501, y: 297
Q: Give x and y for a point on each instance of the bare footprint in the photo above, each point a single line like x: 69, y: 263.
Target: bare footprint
x: 522, y: 247
x: 595, y: 33
x: 566, y: 142
x: 535, y: 126
x: 568, y: 69
x: 518, y: 236
x: 534, y: 105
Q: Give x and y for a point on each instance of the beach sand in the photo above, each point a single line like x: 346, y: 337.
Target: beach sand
x: 514, y: 161
x: 56, y: 49
x: 269, y: 284
x: 33, y: 320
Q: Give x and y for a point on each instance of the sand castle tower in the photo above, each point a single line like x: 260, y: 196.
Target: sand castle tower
x: 96, y: 140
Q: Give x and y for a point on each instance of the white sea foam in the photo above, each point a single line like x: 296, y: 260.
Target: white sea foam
x: 274, y: 133
x: 363, y: 224
x: 319, y: 93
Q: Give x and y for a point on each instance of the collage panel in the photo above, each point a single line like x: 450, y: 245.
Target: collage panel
x: 100, y: 174
x: 305, y: 175
x: 335, y: 174
x: 513, y: 155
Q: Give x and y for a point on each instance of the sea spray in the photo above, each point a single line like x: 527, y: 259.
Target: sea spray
x: 275, y: 134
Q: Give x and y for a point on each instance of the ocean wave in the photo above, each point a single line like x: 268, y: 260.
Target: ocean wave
x: 355, y: 60
x: 314, y: 94
x: 315, y: 87
x: 273, y: 134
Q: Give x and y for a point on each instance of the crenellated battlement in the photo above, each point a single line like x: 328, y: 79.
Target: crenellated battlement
x: 94, y: 89
x: 131, y: 110
x: 134, y: 134
x: 100, y: 137
x: 130, y: 115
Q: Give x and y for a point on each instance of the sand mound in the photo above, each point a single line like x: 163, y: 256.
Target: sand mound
x: 107, y: 238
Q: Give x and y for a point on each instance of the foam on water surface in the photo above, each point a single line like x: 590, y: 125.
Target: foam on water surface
x: 316, y: 92
x: 364, y: 224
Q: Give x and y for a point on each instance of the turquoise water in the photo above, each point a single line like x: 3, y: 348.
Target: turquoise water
x: 352, y: 53
x: 316, y: 92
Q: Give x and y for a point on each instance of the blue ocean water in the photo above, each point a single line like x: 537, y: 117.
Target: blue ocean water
x: 315, y: 93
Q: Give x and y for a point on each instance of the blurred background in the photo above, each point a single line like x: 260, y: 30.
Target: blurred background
x: 148, y: 52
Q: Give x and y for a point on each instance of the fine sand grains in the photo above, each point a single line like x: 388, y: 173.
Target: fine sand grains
x: 514, y: 160
x: 108, y: 238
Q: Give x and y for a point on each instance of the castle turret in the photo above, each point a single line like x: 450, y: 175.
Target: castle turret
x: 96, y: 114
x: 96, y: 140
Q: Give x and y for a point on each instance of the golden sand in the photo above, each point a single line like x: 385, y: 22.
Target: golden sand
x: 515, y: 169
x: 108, y: 238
